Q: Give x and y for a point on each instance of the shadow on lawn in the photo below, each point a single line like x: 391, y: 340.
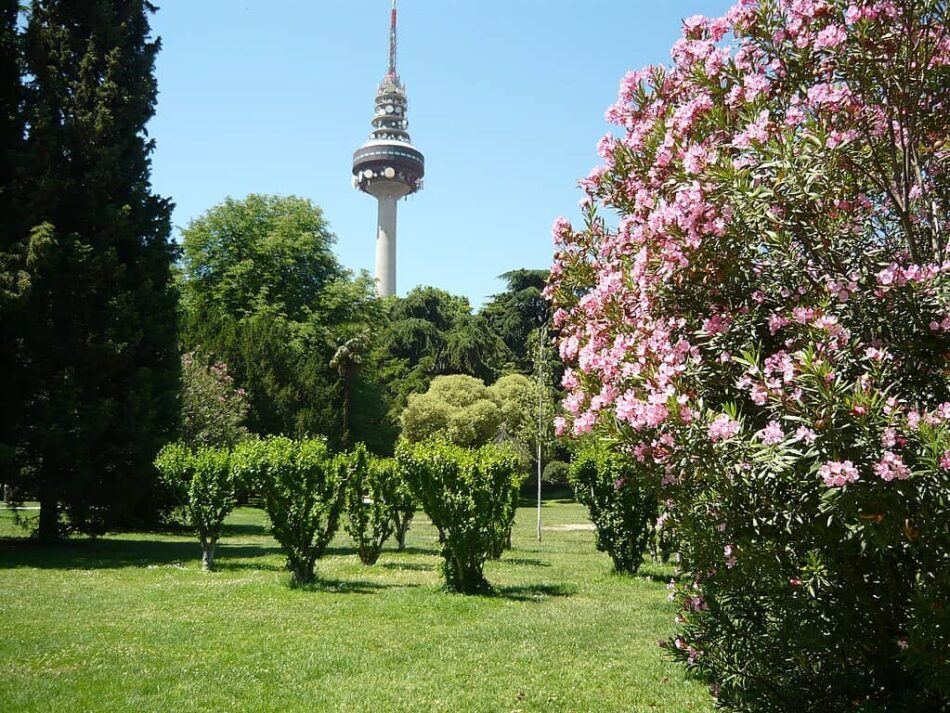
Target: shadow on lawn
x: 346, y: 586
x: 533, y: 592
x: 410, y: 566
x: 525, y: 561
x: 343, y: 551
x: 112, y: 553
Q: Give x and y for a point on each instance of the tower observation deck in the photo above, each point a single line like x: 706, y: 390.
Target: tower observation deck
x: 388, y: 167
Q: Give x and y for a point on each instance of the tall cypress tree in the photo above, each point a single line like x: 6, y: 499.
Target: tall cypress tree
x: 98, y: 329
x: 12, y: 276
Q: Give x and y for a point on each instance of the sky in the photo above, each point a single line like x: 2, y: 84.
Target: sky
x: 506, y: 101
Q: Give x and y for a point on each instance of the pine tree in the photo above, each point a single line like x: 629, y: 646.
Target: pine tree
x: 97, y: 332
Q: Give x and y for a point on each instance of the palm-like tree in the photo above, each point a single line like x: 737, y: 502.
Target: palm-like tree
x: 347, y: 361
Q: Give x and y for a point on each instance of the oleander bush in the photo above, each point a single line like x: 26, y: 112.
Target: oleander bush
x: 467, y: 494
x: 205, y: 486
x: 621, y: 501
x: 303, y: 486
x: 765, y: 330
x: 372, y: 502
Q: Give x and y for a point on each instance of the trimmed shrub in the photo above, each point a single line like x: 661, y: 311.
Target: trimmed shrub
x: 372, y: 502
x: 622, y: 505
x: 403, y: 502
x: 467, y: 495
x: 303, y: 487
x: 205, y: 486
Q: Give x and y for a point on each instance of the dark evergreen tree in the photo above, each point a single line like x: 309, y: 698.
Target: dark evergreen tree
x: 13, y: 277
x: 96, y: 334
x: 518, y: 312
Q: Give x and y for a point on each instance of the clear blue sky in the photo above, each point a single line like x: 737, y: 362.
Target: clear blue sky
x: 506, y: 100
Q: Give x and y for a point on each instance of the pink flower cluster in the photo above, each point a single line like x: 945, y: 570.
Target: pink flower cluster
x: 837, y: 474
x: 723, y: 428
x: 891, y: 467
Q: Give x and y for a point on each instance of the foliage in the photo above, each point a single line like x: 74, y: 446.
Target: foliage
x: 555, y: 473
x: 457, y: 408
x: 621, y: 502
x: 263, y: 292
x: 765, y: 331
x: 518, y: 312
x: 90, y: 345
x: 467, y: 495
x: 400, y: 495
x: 303, y: 487
x: 205, y: 486
x: 374, y: 503
x: 213, y: 410
x: 432, y: 333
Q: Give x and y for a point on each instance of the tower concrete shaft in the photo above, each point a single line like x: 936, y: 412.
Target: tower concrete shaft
x: 387, y: 197
x: 388, y: 166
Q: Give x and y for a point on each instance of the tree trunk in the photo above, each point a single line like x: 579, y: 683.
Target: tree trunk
x: 207, y: 554
x: 401, y: 539
x: 48, y: 529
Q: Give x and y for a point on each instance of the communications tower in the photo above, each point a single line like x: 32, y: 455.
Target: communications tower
x: 388, y: 166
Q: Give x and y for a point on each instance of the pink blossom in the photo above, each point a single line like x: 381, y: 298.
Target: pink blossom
x: 837, y: 474
x: 830, y: 37
x: 805, y: 434
x: 772, y: 433
x: 891, y: 467
x: 723, y: 428
x: 730, y: 555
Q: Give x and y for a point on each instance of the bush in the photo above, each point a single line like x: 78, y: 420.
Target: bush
x: 213, y: 410
x: 766, y: 329
x: 621, y: 502
x: 466, y: 494
x: 204, y: 484
x: 556, y: 473
x: 303, y: 487
x: 372, y: 502
x: 403, y: 502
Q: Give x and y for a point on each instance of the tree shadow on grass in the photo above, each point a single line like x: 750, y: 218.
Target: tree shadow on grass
x: 525, y: 561
x: 113, y: 553
x: 345, y: 586
x: 533, y: 592
x: 343, y: 551
x: 410, y: 566
x: 238, y: 529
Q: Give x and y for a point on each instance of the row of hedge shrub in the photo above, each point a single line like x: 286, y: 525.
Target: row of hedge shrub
x: 308, y: 491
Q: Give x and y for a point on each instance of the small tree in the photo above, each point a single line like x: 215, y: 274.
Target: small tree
x: 372, y: 501
x: 404, y: 503
x: 206, y: 487
x: 303, y: 488
x: 622, y: 507
x: 466, y: 494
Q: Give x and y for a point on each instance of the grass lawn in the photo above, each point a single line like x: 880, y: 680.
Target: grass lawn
x: 130, y: 623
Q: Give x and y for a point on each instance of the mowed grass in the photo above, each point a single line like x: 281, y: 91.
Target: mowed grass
x: 130, y: 623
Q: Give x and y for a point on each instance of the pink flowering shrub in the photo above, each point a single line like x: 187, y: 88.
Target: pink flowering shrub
x: 764, y: 327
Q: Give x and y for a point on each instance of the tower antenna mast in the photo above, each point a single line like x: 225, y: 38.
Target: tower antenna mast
x: 392, y: 42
